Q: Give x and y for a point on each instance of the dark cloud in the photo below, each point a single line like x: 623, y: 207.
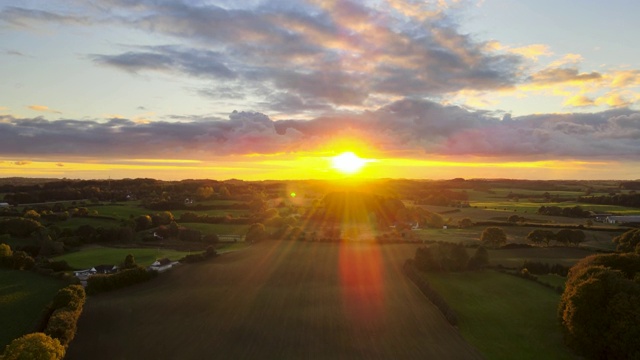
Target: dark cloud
x: 198, y: 63
x: 403, y: 125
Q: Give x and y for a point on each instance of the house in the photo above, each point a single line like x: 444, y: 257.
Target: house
x: 623, y: 219
x: 162, y: 265
x: 4, y: 204
x: 83, y: 275
x: 105, y: 269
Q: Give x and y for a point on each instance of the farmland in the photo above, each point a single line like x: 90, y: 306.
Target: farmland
x: 275, y: 300
x: 504, y: 316
x: 23, y: 296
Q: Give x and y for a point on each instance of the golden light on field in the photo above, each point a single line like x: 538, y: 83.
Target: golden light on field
x: 348, y: 163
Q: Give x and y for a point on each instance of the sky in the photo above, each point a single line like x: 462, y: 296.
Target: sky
x: 274, y: 89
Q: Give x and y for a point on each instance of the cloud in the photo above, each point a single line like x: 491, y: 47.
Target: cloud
x: 550, y: 76
x: 21, y: 163
x: 402, y: 126
x: 533, y: 51
x: 315, y: 51
x: 193, y: 62
x: 23, y: 17
x: 42, y: 108
x: 60, y: 164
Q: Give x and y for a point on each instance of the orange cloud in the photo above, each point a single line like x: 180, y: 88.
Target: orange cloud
x: 579, y: 101
x: 42, y: 108
x: 21, y: 163
x: 533, y: 51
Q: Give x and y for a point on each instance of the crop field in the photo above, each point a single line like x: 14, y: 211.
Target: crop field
x: 504, y: 316
x: 98, y: 255
x: 23, y: 296
x: 274, y: 300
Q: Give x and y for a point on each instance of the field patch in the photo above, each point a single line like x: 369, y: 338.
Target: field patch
x: 504, y: 316
x: 23, y: 296
x: 274, y: 300
x: 98, y: 255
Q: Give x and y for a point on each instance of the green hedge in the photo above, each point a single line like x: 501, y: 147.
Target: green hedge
x: 106, y: 282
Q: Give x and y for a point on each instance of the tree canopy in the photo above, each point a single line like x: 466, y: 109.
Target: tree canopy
x: 598, y: 309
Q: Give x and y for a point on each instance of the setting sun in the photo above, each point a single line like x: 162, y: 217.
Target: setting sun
x: 347, y: 163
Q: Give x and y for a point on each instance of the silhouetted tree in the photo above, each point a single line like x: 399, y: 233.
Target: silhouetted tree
x: 493, y: 236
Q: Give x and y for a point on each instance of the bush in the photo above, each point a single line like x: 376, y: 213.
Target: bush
x: 62, y: 325
x: 106, y: 282
x: 35, y: 346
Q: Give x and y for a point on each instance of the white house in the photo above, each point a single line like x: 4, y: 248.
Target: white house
x: 623, y: 219
x: 162, y: 265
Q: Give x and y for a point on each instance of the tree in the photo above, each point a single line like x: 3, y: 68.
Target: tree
x: 459, y: 258
x: 514, y: 219
x: 465, y: 223
x: 143, y: 222
x: 564, y: 236
x: 493, y: 236
x: 5, y: 250
x: 35, y: 346
x: 628, y: 242
x: 479, y: 260
x: 436, y: 221
x: 538, y: 236
x: 129, y: 262
x: 598, y: 309
x: 256, y: 233
x: 577, y: 236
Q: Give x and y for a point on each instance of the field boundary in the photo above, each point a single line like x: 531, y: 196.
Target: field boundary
x: 431, y: 294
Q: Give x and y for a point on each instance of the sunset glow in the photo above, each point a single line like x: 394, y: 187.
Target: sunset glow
x: 348, y: 163
x: 429, y: 89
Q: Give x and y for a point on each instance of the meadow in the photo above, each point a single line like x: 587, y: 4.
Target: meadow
x: 23, y: 296
x: 274, y: 300
x: 504, y: 316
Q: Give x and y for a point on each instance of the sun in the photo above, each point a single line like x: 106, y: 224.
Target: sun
x: 347, y: 163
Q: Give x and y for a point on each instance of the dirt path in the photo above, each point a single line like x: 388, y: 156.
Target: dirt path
x: 277, y: 300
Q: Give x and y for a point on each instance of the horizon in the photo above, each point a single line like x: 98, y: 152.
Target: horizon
x: 279, y: 90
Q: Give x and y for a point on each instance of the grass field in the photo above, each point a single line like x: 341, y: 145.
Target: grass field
x: 513, y: 258
x: 98, y: 255
x: 23, y: 296
x: 504, y: 316
x: 274, y: 300
x: 75, y: 222
x: 218, y: 229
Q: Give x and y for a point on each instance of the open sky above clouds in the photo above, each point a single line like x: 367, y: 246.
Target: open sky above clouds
x: 271, y: 89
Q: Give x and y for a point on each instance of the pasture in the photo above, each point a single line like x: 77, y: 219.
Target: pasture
x: 23, y: 296
x: 505, y: 317
x: 274, y: 300
x: 218, y: 229
x: 97, y: 255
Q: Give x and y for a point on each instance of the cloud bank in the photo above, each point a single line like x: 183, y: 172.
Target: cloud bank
x: 405, y: 125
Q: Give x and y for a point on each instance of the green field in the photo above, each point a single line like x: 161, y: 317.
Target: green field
x: 23, y: 296
x: 75, y: 222
x: 98, y: 255
x: 274, y: 300
x: 504, y: 316
x: 218, y: 229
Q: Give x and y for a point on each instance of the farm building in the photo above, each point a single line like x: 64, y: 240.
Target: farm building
x: 623, y: 219
x: 162, y: 265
